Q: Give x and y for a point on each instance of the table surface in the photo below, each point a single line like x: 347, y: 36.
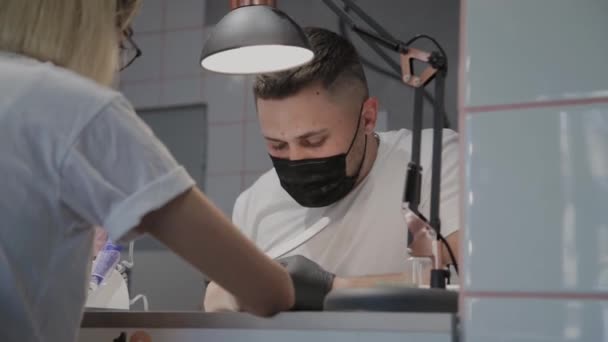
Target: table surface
x: 359, y: 321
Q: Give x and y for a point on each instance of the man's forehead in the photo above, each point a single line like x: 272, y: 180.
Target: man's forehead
x: 313, y: 92
x: 313, y: 102
x: 310, y: 112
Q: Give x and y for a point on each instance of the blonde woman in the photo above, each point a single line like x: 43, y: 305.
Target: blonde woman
x: 73, y: 154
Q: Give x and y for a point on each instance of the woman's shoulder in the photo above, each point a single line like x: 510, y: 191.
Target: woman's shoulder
x: 60, y: 82
x: 44, y: 87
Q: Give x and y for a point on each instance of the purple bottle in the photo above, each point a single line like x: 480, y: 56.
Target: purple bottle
x: 105, y: 262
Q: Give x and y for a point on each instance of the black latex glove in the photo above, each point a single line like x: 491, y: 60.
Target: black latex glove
x: 310, y: 281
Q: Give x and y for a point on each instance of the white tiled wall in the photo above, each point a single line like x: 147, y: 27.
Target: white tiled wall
x: 184, y: 13
x: 534, y: 135
x: 146, y: 69
x: 171, y: 35
x: 538, y: 320
x: 151, y: 16
x: 545, y: 192
x: 225, y: 149
x: 181, y: 50
x: 226, y: 96
x: 180, y: 91
x: 224, y: 189
x: 142, y: 94
x: 523, y: 51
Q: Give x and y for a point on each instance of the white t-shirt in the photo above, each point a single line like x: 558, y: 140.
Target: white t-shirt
x: 366, y: 233
x: 73, y: 154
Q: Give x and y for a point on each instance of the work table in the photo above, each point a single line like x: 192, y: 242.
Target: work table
x: 107, y: 326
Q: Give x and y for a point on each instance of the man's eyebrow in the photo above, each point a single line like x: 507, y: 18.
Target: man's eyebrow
x: 273, y: 139
x: 312, y: 133
x: 302, y: 136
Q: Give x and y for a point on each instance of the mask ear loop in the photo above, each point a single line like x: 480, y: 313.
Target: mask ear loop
x: 357, y: 129
x: 362, y: 159
x: 356, y: 175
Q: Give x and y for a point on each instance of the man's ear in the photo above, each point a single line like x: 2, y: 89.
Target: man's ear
x: 370, y: 114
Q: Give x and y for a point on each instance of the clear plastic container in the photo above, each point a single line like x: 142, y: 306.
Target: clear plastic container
x: 418, y: 270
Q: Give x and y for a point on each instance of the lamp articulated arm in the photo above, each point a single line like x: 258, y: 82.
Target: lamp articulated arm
x: 436, y: 69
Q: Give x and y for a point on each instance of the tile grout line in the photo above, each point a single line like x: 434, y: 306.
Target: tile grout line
x: 468, y: 110
x: 182, y: 77
x: 536, y: 295
x: 244, y: 133
x: 176, y: 29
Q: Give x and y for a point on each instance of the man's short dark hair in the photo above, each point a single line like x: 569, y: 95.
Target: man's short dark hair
x: 336, y: 66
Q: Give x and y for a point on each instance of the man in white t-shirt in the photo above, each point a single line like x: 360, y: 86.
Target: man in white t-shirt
x: 334, y: 195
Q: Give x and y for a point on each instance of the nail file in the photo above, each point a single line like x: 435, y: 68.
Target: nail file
x: 299, y: 239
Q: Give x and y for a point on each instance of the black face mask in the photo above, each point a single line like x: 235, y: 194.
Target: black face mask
x: 318, y: 182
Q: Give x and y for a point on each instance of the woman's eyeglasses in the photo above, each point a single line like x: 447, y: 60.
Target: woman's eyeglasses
x: 129, y: 51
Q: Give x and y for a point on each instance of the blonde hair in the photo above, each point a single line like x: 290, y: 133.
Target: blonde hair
x: 80, y: 35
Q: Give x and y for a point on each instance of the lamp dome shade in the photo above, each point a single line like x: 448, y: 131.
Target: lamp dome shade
x: 256, y: 39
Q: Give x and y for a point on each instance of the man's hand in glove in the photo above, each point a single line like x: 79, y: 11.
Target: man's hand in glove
x: 310, y: 281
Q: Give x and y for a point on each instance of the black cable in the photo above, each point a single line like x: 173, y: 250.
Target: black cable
x: 439, y: 115
x: 436, y: 159
x: 442, y: 240
x: 350, y: 4
x: 447, y: 246
x: 435, y: 42
x: 396, y: 76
